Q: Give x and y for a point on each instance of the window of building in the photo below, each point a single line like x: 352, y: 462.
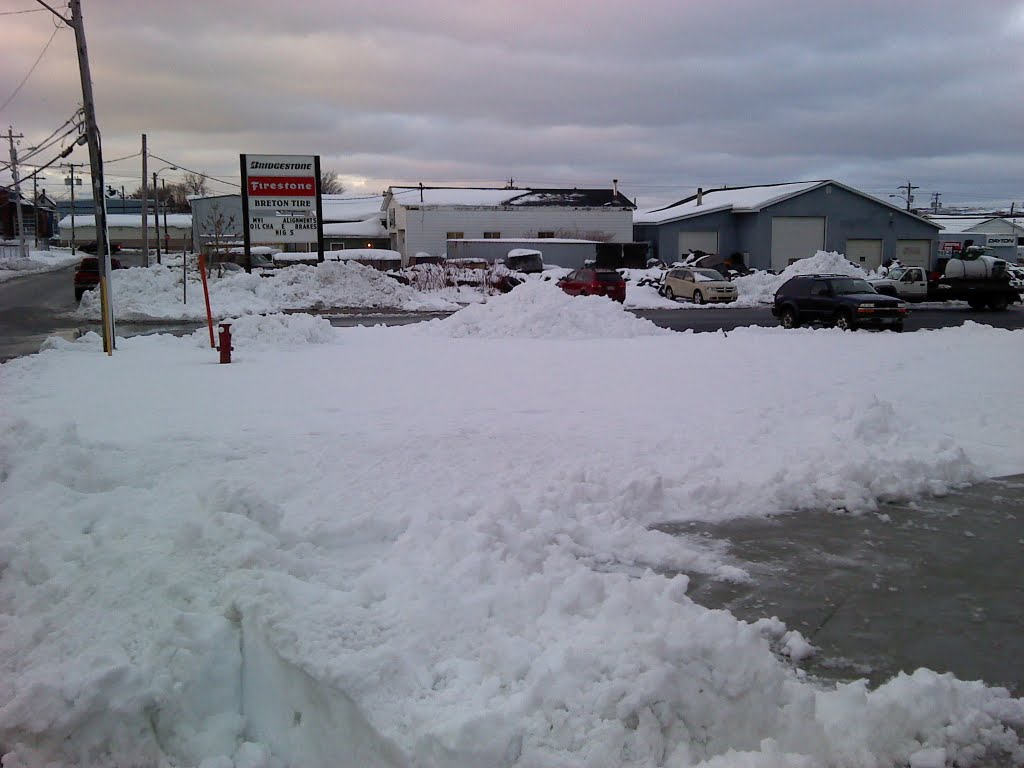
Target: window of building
x: 454, y: 236
x: 492, y: 235
x: 547, y: 235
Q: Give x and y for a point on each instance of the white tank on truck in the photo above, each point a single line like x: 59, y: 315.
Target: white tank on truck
x: 973, y: 264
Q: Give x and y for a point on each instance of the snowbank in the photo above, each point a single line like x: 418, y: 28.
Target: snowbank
x: 760, y: 287
x: 542, y: 310
x: 155, y: 293
x: 394, y: 549
x: 13, y: 266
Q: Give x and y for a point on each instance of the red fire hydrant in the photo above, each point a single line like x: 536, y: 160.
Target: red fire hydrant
x: 225, y: 342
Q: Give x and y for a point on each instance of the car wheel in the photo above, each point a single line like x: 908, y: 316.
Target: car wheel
x: 79, y: 292
x: 789, y: 318
x: 897, y: 327
x: 977, y: 304
x: 998, y: 303
x: 844, y: 322
x: 582, y: 293
x: 669, y: 293
x: 698, y: 297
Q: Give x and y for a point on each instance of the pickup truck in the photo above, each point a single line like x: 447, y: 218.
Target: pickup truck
x: 915, y: 284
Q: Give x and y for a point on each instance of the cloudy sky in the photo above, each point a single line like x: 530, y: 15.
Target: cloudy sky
x: 664, y: 95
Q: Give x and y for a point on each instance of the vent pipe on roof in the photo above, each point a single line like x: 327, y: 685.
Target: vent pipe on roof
x: 615, y: 187
x: 700, y: 195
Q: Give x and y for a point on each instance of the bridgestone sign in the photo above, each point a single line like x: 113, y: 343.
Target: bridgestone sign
x: 281, y: 201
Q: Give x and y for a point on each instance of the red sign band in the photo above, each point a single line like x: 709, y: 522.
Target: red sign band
x: 282, y: 186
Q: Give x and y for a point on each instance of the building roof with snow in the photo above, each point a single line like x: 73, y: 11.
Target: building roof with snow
x: 340, y: 208
x: 370, y: 227
x: 955, y: 225
x: 745, y: 200
x: 489, y: 197
x: 176, y: 220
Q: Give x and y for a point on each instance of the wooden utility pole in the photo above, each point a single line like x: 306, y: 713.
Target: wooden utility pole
x: 156, y: 217
x: 92, y: 133
x: 145, y: 207
x: 72, y: 180
x: 11, y: 136
x: 910, y: 192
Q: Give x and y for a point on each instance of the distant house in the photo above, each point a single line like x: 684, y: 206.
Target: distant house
x: 423, y: 219
x: 1004, y: 236
x: 125, y: 229
x: 38, y: 217
x: 773, y: 225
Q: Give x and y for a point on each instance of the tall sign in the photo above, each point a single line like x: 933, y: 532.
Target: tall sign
x: 281, y: 201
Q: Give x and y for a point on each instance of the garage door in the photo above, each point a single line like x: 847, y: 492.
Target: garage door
x: 866, y: 253
x: 697, y: 241
x: 914, y: 253
x: 796, y: 237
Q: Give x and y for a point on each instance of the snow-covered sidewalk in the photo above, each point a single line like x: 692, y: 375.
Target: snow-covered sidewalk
x: 430, y: 545
x: 38, y: 261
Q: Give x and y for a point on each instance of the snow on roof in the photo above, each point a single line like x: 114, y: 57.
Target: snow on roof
x: 340, y: 208
x: 453, y: 196
x: 176, y: 220
x: 539, y: 240
x: 490, y: 197
x: 370, y: 227
x: 739, y: 199
x: 370, y: 254
x: 957, y: 224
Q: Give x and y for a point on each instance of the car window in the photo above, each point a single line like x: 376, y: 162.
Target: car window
x: 586, y: 276
x: 703, y: 275
x: 819, y: 288
x: 609, y: 277
x: 571, y: 276
x: 850, y: 285
x: 914, y: 275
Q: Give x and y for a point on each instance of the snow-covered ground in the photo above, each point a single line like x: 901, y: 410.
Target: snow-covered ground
x: 429, y: 545
x: 12, y: 266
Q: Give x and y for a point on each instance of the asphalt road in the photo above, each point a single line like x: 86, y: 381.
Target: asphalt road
x: 37, y: 306
x: 932, y: 583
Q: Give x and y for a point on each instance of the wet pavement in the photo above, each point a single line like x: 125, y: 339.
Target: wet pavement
x: 937, y: 583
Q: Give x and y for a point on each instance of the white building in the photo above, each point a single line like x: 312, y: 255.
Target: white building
x: 423, y: 219
x: 1004, y: 236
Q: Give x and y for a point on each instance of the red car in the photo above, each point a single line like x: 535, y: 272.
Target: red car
x: 88, y: 275
x: 594, y: 282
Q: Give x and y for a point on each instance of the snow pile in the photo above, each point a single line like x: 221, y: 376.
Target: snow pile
x: 274, y: 330
x: 760, y: 287
x: 399, y: 550
x: 155, y: 293
x: 13, y: 265
x: 542, y: 310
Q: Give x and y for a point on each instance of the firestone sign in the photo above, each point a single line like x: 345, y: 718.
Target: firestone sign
x: 281, y: 200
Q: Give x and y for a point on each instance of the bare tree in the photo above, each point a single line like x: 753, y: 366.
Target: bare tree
x: 215, y: 227
x: 331, y: 183
x: 196, y: 184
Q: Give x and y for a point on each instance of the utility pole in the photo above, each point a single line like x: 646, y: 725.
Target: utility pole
x: 910, y: 192
x: 145, y: 206
x: 935, y: 201
x: 71, y: 181
x: 167, y: 239
x: 11, y: 136
x: 156, y: 217
x: 92, y: 133
x: 35, y: 210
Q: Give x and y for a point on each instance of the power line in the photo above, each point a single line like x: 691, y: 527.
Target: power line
x: 197, y: 173
x: 15, y: 13
x: 126, y: 157
x: 33, y: 69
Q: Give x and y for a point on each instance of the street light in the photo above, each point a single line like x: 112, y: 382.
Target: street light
x: 156, y: 215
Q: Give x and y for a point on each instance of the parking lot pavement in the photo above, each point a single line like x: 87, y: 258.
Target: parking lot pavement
x: 937, y: 583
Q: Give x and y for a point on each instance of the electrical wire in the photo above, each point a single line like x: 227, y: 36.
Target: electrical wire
x: 15, y: 13
x: 33, y: 69
x: 197, y: 173
x: 126, y: 157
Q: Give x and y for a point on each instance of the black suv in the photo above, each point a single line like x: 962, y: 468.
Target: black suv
x: 840, y: 300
